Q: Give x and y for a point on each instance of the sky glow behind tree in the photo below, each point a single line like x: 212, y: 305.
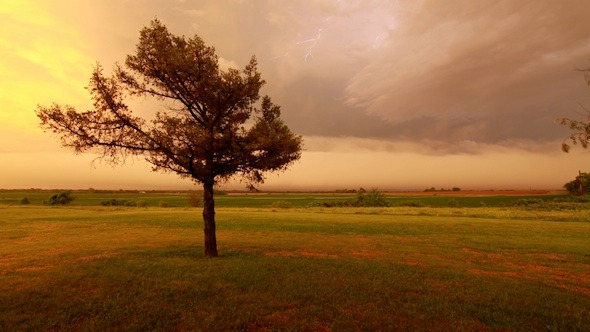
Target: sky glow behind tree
x: 388, y: 94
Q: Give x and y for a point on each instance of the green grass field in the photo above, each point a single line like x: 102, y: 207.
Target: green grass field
x: 179, y: 199
x: 115, y: 268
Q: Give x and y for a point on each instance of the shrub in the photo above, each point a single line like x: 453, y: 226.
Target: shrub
x: 163, y: 204
x: 320, y: 204
x: 142, y: 203
x: 372, y: 198
x: 572, y: 199
x: 414, y: 203
x: 118, y: 202
x: 24, y: 201
x: 195, y: 198
x: 62, y: 198
x: 525, y: 202
x: 556, y: 204
x: 332, y: 204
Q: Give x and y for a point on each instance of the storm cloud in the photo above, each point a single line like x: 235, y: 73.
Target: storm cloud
x: 447, y: 71
x: 489, y: 72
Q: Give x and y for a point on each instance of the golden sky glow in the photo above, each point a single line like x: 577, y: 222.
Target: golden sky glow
x: 388, y: 94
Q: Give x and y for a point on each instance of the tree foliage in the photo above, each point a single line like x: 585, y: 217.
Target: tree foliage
x: 580, y: 133
x: 213, y: 124
x: 580, y: 129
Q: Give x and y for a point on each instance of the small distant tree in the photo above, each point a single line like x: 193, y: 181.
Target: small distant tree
x: 580, y: 185
x: 212, y: 124
x: 62, y: 198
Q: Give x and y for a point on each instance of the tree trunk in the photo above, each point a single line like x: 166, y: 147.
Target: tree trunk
x: 209, y: 220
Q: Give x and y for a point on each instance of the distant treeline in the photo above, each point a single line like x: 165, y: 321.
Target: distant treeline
x: 92, y: 190
x: 106, y: 191
x: 431, y: 189
x: 345, y: 191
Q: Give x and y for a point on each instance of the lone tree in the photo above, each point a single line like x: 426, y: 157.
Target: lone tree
x: 212, y: 125
x: 580, y: 130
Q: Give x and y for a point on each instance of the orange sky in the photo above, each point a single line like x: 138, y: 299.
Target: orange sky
x: 387, y: 94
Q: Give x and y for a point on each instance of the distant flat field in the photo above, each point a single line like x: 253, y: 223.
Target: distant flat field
x: 320, y: 269
x: 180, y: 199
x: 481, y: 192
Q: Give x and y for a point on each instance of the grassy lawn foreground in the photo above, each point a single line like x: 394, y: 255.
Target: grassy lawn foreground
x: 295, y: 269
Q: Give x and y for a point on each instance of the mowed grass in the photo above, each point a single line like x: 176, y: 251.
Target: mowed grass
x: 94, y: 268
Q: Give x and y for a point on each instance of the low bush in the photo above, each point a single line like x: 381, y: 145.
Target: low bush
x: 24, y: 201
x: 565, y: 203
x: 163, y: 204
x: 329, y: 204
x: 526, y: 202
x: 118, y: 202
x: 62, y: 198
x: 414, y: 203
x: 572, y: 199
x: 372, y: 198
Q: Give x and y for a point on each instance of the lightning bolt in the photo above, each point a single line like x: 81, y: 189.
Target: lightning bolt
x: 372, y: 35
x: 314, y: 41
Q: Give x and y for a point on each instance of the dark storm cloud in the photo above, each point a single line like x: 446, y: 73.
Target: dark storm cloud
x: 483, y: 71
